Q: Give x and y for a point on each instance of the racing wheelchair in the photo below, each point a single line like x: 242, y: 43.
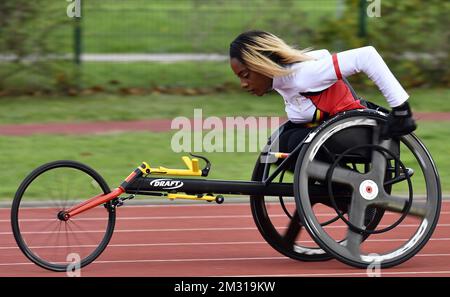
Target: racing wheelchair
x: 371, y: 185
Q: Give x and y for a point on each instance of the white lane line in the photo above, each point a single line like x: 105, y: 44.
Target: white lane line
x: 130, y: 245
x: 153, y: 218
x: 203, y: 204
x: 200, y: 260
x: 161, y: 218
x: 168, y: 260
x: 141, y: 230
x: 202, y: 229
x: 282, y: 215
x: 246, y: 204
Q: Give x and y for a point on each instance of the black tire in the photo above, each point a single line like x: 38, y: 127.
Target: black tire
x: 273, y: 236
x: 21, y: 225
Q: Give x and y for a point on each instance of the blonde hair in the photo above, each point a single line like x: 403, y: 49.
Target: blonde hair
x: 266, y: 53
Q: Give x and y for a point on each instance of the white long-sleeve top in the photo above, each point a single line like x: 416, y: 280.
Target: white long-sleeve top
x: 323, y: 72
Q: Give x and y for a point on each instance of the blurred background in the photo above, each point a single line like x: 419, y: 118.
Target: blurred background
x: 153, y: 59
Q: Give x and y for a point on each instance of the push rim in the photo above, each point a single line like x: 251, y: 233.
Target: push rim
x: 350, y: 253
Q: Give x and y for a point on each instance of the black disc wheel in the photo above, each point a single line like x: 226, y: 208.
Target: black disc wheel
x: 42, y: 233
x: 400, y: 179
x: 278, y: 220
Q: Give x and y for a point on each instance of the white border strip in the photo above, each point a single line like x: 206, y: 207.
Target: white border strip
x: 202, y: 229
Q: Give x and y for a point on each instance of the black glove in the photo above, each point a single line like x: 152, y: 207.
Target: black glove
x: 399, y: 122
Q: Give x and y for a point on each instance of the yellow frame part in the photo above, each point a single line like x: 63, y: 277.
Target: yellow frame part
x: 190, y: 197
x: 191, y: 164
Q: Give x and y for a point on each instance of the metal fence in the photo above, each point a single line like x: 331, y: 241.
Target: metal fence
x: 208, y: 26
x: 149, y: 26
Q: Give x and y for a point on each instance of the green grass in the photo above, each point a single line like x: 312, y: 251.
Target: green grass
x: 115, y: 156
x: 105, y: 107
x: 184, y: 74
x: 180, y: 74
x: 183, y: 25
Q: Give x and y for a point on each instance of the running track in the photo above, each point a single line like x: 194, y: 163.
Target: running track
x: 214, y: 240
x: 153, y: 125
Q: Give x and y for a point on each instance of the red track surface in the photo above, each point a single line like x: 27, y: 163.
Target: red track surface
x: 155, y: 125
x: 215, y: 240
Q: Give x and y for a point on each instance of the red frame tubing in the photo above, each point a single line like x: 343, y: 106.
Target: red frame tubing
x: 93, y: 202
x: 103, y: 198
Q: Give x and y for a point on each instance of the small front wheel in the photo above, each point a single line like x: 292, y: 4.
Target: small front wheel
x: 220, y: 199
x: 41, y: 234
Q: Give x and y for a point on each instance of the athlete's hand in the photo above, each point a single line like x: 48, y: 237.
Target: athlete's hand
x: 400, y: 122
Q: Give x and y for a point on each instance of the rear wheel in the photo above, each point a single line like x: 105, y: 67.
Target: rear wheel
x: 279, y: 222
x: 410, y: 216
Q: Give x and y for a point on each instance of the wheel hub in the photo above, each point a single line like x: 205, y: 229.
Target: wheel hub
x: 368, y: 189
x: 63, y: 216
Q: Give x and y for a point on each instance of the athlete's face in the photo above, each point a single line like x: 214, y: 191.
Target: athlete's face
x: 251, y: 81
